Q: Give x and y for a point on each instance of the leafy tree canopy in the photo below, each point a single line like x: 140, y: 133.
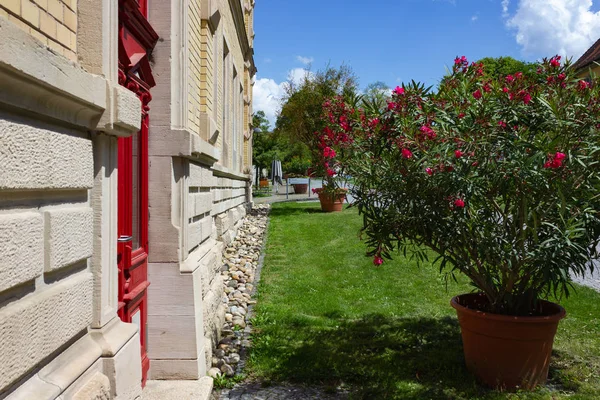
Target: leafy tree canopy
x: 499, y: 67
x: 300, y: 115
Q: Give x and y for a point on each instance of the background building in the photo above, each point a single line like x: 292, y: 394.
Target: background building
x: 125, y: 147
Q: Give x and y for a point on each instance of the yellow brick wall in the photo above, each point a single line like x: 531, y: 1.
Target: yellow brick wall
x: 585, y: 72
x: 53, y: 22
x: 206, y: 70
x: 206, y: 62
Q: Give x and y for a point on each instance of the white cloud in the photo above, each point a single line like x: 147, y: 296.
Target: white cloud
x: 474, y: 18
x: 305, y: 60
x: 267, y: 94
x: 297, y: 75
x: 268, y: 60
x: 505, y: 4
x: 548, y: 27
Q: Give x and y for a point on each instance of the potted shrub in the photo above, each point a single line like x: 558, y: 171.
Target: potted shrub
x: 500, y: 178
x: 297, y: 167
x: 331, y: 197
x: 333, y: 192
x: 263, y: 182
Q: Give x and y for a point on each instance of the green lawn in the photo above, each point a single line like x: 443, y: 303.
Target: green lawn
x: 327, y: 316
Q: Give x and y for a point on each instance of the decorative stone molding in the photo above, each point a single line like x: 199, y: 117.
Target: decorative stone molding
x: 208, y: 128
x: 240, y: 27
x: 211, y: 13
x: 36, y: 80
x: 179, y: 61
x: 183, y: 143
x: 61, y: 372
x: 225, y: 172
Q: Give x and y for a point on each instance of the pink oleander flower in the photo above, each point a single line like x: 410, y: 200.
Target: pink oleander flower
x: 406, y: 153
x: 328, y: 152
x: 583, y: 85
x: 459, y: 203
x: 510, y: 78
x: 426, y: 129
x: 399, y: 90
x: 458, y: 154
x: 377, y: 261
x: 505, y: 89
x: 561, y: 77
x: 555, y: 61
x: 477, y: 94
x: 502, y: 124
x: 555, y: 161
x: 429, y: 171
x: 518, y: 75
x: 373, y: 123
x: 391, y: 105
x: 461, y: 115
x: 461, y: 61
x: 330, y: 172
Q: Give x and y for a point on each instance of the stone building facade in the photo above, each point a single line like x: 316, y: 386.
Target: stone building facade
x: 125, y: 147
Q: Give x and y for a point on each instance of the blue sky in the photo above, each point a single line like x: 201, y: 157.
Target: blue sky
x: 399, y: 40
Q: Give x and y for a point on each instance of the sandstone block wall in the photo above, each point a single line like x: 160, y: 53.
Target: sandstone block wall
x: 53, y: 22
x: 46, y: 173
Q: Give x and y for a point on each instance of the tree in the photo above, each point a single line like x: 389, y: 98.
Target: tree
x: 376, y: 95
x: 264, y: 144
x: 500, y: 67
x: 300, y: 115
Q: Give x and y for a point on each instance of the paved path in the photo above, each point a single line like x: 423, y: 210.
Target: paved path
x: 591, y: 280
x: 254, y: 391
x: 281, y: 196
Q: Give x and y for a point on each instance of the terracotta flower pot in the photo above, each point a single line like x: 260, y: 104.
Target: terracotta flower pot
x: 263, y: 183
x: 331, y: 203
x: 503, y: 351
x: 300, y: 188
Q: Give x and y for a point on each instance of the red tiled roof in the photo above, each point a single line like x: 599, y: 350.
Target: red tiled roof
x: 591, y: 55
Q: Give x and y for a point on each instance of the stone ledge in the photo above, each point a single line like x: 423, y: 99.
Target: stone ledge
x: 182, y: 143
x: 178, y: 390
x: 35, y: 79
x: 194, y: 259
x: 113, y: 336
x: 61, y: 372
x: 222, y: 171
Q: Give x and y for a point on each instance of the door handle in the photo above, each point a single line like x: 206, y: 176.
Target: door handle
x: 124, y: 239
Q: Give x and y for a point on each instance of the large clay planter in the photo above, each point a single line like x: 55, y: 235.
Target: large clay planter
x: 300, y: 188
x: 507, y: 352
x: 331, y: 203
x: 263, y: 183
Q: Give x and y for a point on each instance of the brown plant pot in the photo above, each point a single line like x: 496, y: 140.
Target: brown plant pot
x: 331, y: 203
x: 263, y: 183
x: 300, y: 188
x: 507, y: 352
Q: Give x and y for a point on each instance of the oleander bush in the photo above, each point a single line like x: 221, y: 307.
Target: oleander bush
x: 499, y: 176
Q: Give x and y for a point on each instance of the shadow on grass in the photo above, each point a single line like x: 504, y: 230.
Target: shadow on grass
x: 377, y: 356
x: 282, y: 211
